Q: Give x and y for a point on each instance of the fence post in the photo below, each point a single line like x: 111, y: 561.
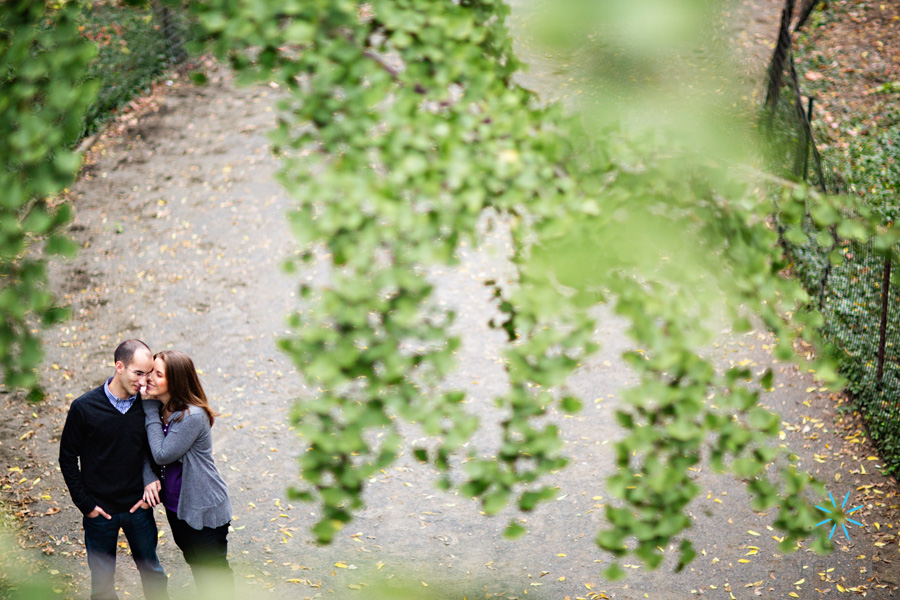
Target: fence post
x: 805, y: 11
x: 823, y: 286
x: 809, y: 112
x: 885, y: 296
x: 174, y: 45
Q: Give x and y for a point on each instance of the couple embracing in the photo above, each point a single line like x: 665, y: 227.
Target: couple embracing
x: 121, y: 454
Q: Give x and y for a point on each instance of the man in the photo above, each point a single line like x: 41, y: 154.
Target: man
x: 104, y: 431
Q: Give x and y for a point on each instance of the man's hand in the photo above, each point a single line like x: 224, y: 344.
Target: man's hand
x: 151, y: 493
x: 139, y: 504
x: 99, y: 511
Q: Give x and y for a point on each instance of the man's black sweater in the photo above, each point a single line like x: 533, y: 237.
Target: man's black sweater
x: 113, y: 451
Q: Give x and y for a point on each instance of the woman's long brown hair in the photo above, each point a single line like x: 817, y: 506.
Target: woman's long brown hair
x: 184, y: 384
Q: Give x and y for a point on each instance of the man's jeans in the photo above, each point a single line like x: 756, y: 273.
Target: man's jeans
x: 100, y: 537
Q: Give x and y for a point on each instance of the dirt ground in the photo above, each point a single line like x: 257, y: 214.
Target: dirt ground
x: 851, y: 65
x: 183, y: 234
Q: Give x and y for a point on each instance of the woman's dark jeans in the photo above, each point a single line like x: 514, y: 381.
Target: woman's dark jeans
x: 205, y: 550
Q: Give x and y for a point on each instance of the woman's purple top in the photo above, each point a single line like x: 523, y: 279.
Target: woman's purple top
x: 171, y: 481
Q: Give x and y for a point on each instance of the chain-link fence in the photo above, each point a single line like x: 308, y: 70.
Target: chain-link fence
x: 136, y: 45
x: 859, y: 295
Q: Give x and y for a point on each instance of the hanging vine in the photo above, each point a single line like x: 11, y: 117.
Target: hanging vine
x: 43, y: 63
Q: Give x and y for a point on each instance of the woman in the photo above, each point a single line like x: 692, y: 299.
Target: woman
x: 178, y: 422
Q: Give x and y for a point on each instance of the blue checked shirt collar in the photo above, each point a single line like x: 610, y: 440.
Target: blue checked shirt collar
x: 121, y: 405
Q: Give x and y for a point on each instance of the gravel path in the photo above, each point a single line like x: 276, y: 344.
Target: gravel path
x: 183, y: 233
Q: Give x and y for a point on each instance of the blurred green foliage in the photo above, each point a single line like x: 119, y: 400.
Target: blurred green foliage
x: 43, y: 64
x: 648, y: 199
x: 23, y: 573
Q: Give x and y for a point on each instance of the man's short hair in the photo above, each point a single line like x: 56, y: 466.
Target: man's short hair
x: 125, y: 351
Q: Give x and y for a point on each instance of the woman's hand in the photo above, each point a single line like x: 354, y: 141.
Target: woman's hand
x: 152, y: 406
x: 151, y: 493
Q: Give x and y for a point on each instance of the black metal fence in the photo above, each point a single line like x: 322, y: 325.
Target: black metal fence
x: 859, y: 295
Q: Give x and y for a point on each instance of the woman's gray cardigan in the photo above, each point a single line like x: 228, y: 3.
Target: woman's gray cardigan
x: 203, y: 501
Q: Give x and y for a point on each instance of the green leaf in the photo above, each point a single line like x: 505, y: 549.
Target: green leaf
x: 852, y: 230
x: 767, y: 379
x: 625, y: 419
x: 571, y: 404
x: 325, y: 530
x: 762, y: 420
x: 299, y: 32
x: 514, y: 530
x: 38, y: 221
x: 301, y: 495
x: 686, y: 555
x: 495, y: 501
x: 614, y: 572
x: 67, y: 162
x: 824, y: 214
x: 796, y: 235
x: 214, y: 22
x: 56, y: 314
